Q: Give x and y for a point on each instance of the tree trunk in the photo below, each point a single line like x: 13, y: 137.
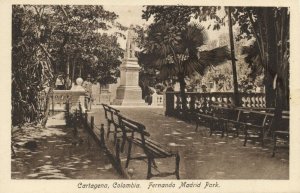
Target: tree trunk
x: 272, y: 61
x: 73, y: 70
x: 68, y: 66
x: 49, y: 94
x: 182, y: 91
x: 80, y: 69
x: 234, y: 74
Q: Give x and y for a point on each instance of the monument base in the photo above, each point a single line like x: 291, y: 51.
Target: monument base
x: 129, y: 96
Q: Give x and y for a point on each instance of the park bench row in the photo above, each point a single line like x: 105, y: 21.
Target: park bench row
x: 254, y: 123
x: 135, y: 133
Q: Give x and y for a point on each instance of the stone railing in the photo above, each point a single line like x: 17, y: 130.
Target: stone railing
x: 157, y: 100
x: 60, y: 97
x: 203, y: 101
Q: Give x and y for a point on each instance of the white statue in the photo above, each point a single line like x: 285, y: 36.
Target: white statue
x: 130, y: 44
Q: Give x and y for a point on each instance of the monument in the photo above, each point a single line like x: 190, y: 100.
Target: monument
x: 129, y: 92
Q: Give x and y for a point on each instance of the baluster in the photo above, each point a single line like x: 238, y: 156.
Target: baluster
x: 209, y: 102
x: 225, y: 101
x: 219, y: 100
x: 249, y: 101
x: 256, y: 101
x: 252, y: 101
x: 213, y: 99
x: 200, y: 105
x: 196, y: 102
x: 261, y: 100
x: 188, y: 100
x: 264, y: 101
x: 244, y: 101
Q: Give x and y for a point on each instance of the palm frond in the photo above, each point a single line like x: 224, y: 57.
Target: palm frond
x: 194, y: 36
x: 215, y: 56
x: 252, y: 58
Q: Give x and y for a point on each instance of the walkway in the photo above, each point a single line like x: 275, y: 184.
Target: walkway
x: 58, y: 152
x: 202, y: 156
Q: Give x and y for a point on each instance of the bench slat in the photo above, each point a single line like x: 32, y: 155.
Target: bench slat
x: 157, y: 151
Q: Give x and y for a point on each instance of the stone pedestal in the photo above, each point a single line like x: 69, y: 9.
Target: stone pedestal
x: 129, y: 92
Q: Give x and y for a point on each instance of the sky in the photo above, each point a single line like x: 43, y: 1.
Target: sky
x: 133, y: 15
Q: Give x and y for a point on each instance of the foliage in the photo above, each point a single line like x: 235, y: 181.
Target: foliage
x: 172, y: 43
x: 222, y: 74
x: 47, y: 40
x: 270, y: 51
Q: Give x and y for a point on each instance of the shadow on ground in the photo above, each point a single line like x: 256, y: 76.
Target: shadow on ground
x: 202, y: 156
x: 59, y: 153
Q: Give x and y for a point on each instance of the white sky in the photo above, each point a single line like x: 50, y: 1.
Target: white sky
x: 133, y: 15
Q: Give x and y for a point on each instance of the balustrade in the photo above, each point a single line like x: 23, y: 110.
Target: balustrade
x: 202, y: 102
x: 157, y: 100
x: 59, y: 98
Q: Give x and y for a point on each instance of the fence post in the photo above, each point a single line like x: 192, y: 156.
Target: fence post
x: 86, y: 119
x: 52, y: 103
x: 169, y: 103
x: 92, y: 123
x: 118, y: 151
x: 102, y: 136
x: 76, y: 122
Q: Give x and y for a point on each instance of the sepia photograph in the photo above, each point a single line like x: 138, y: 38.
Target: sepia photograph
x: 156, y: 97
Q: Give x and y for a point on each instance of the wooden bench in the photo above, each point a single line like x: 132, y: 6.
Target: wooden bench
x: 223, y: 120
x: 281, y: 131
x: 202, y: 117
x: 255, y: 123
x: 226, y: 121
x: 152, y: 149
x: 112, y: 118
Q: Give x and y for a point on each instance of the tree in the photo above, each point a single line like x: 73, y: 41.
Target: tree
x: 172, y: 44
x: 234, y: 75
x: 47, y: 40
x: 270, y: 51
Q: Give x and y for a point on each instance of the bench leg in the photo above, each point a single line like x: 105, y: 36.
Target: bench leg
x: 246, y: 136
x: 108, y: 129
x: 197, y: 125
x: 274, y: 145
x: 222, y: 125
x: 128, y: 154
x: 123, y: 142
x: 154, y: 164
x: 211, y: 128
x: 226, y: 128
x: 262, y: 138
x: 177, y: 159
x: 115, y: 134
x: 237, y: 130
x: 149, y: 174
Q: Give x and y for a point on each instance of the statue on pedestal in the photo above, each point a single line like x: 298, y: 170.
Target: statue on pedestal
x: 129, y: 93
x: 130, y: 44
